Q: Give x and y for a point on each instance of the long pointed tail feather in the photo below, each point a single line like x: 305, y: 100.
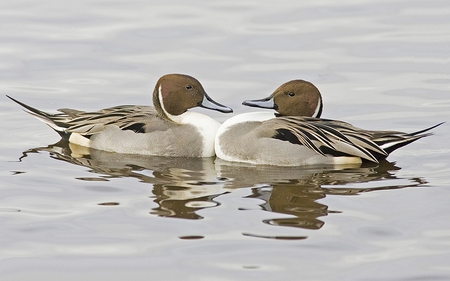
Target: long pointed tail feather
x: 392, y: 142
x: 425, y: 130
x: 45, y: 117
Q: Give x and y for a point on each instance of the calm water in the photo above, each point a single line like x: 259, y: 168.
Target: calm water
x: 70, y: 214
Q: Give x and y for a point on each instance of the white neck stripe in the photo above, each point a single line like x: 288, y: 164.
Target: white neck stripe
x: 174, y: 118
x: 319, y: 105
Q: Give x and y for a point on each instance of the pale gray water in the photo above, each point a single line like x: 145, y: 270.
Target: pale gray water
x: 378, y: 64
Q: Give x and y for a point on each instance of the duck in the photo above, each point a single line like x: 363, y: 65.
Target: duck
x: 166, y: 129
x: 296, y: 135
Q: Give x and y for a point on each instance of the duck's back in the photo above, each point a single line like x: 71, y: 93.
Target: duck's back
x: 140, y: 130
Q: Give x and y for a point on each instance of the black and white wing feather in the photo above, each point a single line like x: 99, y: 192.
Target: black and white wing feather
x: 337, y: 138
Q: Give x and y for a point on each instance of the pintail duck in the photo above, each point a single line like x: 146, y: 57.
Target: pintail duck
x: 167, y: 129
x: 297, y: 136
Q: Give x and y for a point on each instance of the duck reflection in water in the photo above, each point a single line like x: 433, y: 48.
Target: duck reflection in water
x: 183, y: 186
x: 296, y: 191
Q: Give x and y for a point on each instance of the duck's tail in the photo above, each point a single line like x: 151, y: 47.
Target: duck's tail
x: 392, y: 141
x: 55, y: 121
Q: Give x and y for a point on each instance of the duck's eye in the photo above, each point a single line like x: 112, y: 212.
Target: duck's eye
x: 291, y: 94
x: 188, y: 87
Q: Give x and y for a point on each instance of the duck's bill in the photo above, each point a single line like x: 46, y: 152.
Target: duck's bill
x: 262, y: 103
x: 209, y: 103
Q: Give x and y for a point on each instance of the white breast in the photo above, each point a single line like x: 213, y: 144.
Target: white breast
x: 245, y: 117
x: 241, y: 118
x: 207, y: 127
